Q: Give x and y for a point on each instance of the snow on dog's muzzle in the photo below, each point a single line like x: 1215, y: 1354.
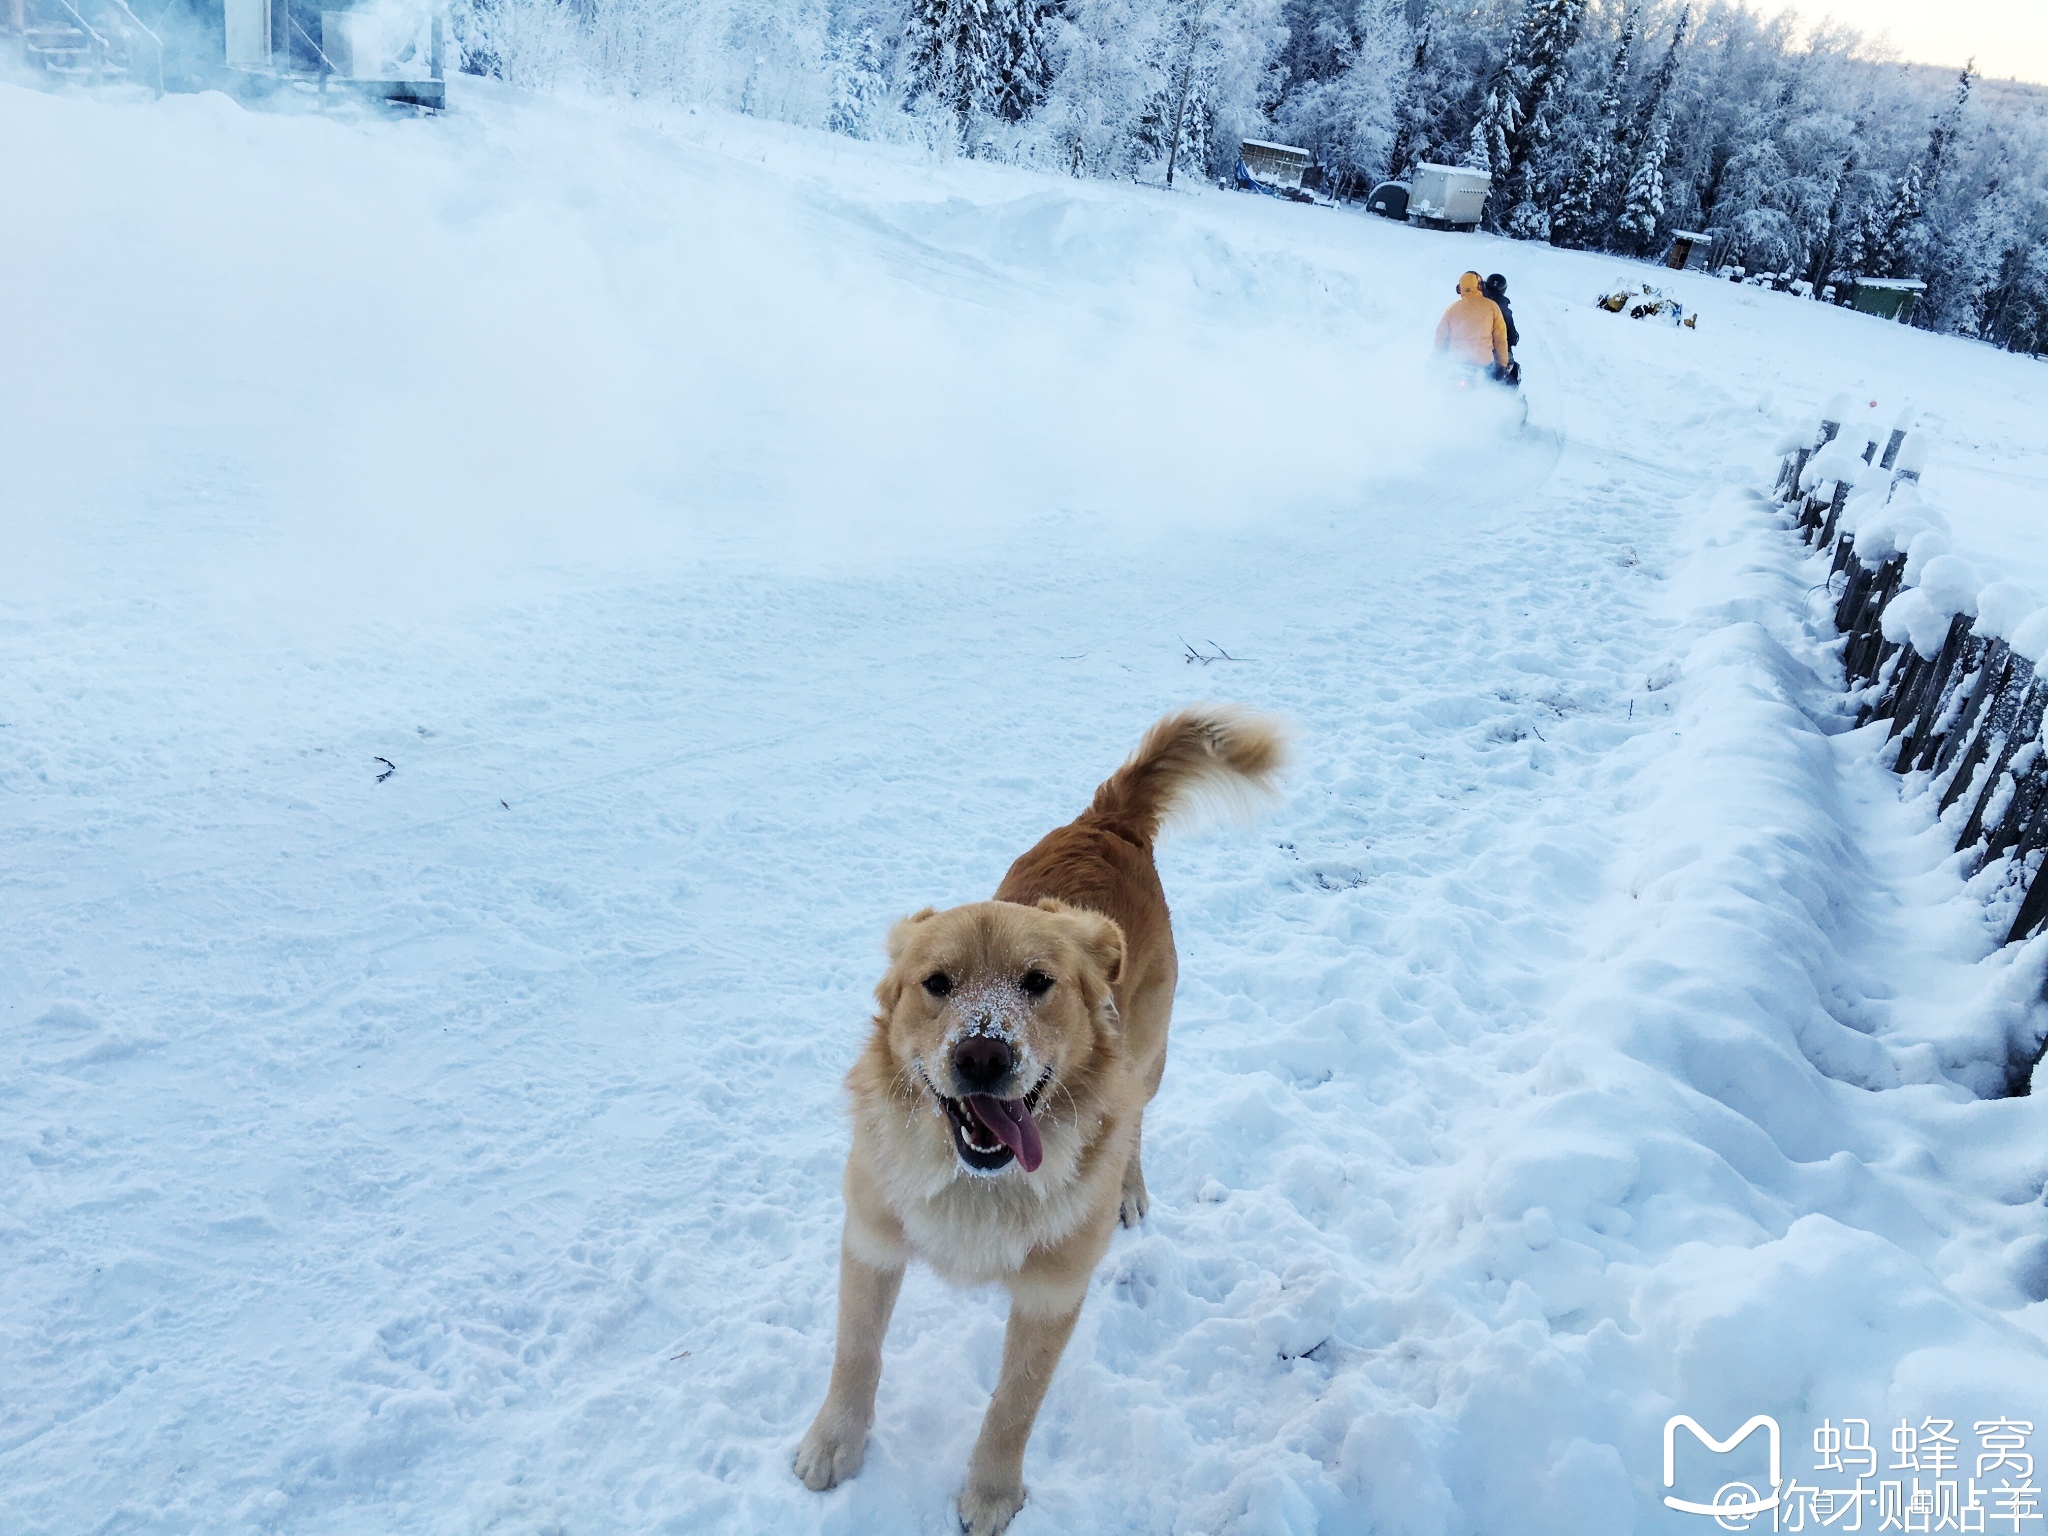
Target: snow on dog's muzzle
x: 993, y: 1123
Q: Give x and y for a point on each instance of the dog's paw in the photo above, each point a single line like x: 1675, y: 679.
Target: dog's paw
x: 1135, y: 1204
x: 831, y: 1453
x: 986, y: 1509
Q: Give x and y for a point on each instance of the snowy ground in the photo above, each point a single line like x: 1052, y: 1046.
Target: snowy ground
x: 734, y: 538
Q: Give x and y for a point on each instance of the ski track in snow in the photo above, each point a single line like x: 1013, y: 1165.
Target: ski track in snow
x: 1583, y: 1041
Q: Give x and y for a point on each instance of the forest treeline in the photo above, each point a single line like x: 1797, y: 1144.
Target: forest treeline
x: 1606, y: 124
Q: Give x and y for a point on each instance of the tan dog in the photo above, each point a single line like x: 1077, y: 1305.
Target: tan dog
x: 998, y: 1104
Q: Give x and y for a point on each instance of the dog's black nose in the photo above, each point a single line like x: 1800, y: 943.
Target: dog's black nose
x: 982, y: 1061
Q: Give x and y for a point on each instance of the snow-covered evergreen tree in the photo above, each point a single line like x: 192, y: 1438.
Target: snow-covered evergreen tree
x: 861, y: 56
x: 1551, y: 28
x: 1424, y: 118
x: 1947, y: 127
x: 1118, y: 72
x: 1477, y: 154
x: 1586, y: 188
x: 1496, y: 131
x: 2013, y: 307
x: 1634, y: 169
x: 1643, y: 209
x: 979, y: 58
x: 1516, y: 116
x: 1886, y: 251
x: 1187, y: 51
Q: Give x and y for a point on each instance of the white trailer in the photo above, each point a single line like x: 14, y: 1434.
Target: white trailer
x: 1447, y: 196
x: 391, y: 50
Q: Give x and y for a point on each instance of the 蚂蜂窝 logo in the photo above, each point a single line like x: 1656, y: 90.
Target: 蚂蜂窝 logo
x: 1932, y: 1489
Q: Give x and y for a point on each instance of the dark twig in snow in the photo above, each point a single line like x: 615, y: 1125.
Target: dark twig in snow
x: 389, y: 769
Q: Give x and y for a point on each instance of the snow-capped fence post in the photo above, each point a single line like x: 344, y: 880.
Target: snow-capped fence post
x: 1834, y: 517
x: 1943, y: 699
x: 1964, y: 740
x: 1995, y: 746
x: 1831, y: 417
x: 1910, y: 461
x: 1964, y: 703
x: 1923, y: 684
x: 1865, y: 653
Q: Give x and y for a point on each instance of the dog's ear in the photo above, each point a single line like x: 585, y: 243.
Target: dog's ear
x: 901, y: 930
x: 890, y: 988
x: 1101, y: 940
x: 888, y: 992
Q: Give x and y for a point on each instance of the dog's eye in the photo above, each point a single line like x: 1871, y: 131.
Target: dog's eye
x: 1037, y: 983
x: 938, y: 984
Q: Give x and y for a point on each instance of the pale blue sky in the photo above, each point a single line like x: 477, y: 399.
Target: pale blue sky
x: 2008, y: 37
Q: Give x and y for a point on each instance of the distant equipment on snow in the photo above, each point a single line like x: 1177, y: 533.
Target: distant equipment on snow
x: 1389, y: 200
x: 1889, y: 298
x: 94, y: 42
x: 1274, y: 168
x: 392, y: 51
x: 1447, y: 196
x: 1691, y: 251
x: 387, y: 49
x: 1642, y: 302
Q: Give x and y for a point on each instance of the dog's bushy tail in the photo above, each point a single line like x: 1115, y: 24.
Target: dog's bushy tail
x: 1207, y: 752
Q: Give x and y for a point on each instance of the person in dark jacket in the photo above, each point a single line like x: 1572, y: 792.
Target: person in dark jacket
x: 1496, y: 289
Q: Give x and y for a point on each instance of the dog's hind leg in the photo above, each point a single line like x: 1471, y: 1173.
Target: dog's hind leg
x: 1032, y: 1344
x: 1151, y: 1011
x: 837, y: 1441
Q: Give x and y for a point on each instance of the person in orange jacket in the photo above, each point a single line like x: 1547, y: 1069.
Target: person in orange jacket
x: 1473, y: 330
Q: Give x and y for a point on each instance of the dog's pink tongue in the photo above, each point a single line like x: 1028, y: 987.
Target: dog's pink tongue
x: 1011, y: 1124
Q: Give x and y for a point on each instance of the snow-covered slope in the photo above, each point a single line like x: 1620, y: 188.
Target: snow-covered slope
x: 729, y: 539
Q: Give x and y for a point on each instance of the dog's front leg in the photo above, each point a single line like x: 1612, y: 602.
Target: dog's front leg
x: 838, y: 1438
x: 1032, y: 1345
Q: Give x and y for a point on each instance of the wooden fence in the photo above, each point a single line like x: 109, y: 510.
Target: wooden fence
x: 1965, y: 704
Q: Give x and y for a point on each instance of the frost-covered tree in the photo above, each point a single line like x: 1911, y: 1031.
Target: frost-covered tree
x: 979, y: 58
x: 1586, y: 187
x: 1343, y: 98
x: 1516, y: 116
x: 1187, y: 53
x: 2013, y: 309
x: 861, y: 56
x: 1237, y: 71
x: 1947, y: 128
x: 1885, y: 245
x: 1651, y: 107
x: 1838, y: 244
x: 1544, y: 55
x: 1897, y: 242
x: 1120, y: 67
x: 1643, y: 210
x: 1494, y: 132
x: 1442, y: 89
x: 1477, y: 153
